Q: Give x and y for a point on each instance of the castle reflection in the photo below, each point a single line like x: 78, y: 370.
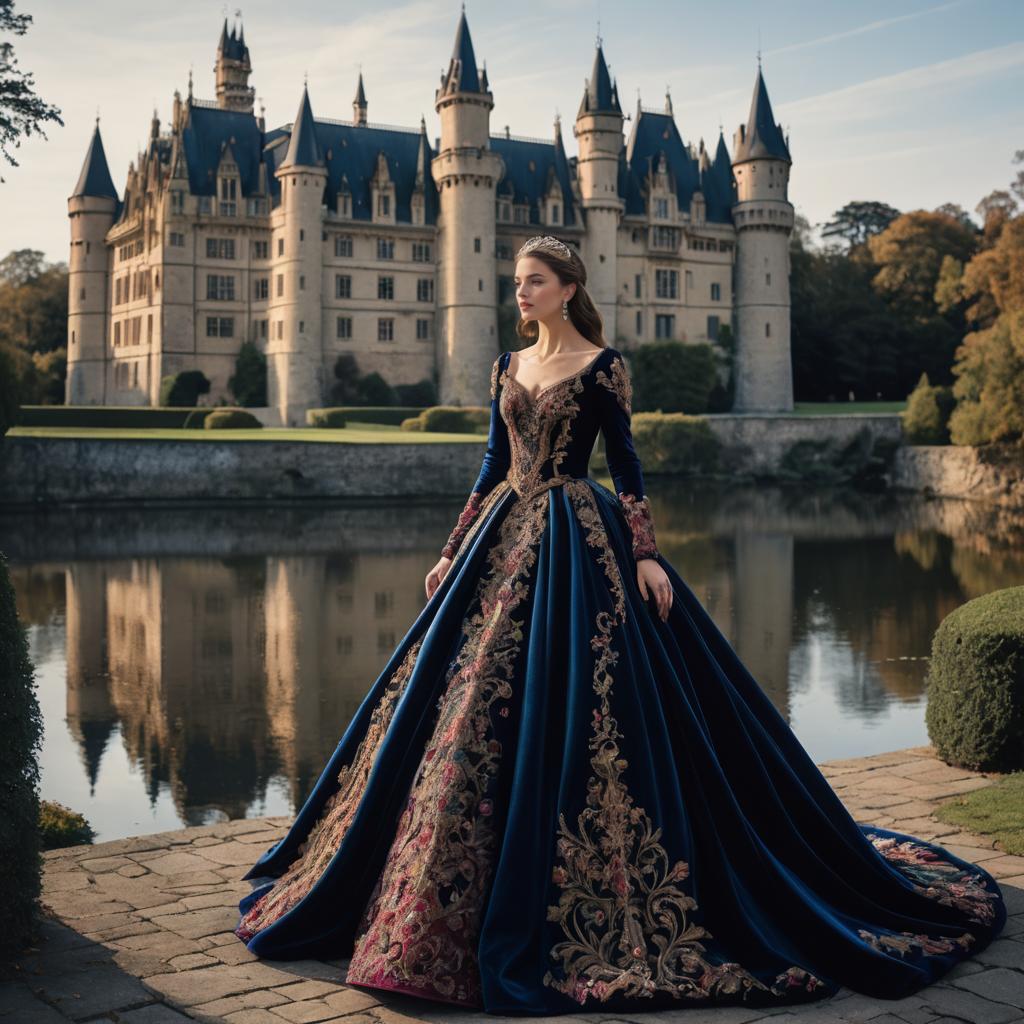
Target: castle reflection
x: 223, y: 652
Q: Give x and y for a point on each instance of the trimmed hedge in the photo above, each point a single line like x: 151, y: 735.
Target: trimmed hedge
x: 975, y: 684
x: 21, y: 727
x: 450, y: 419
x: 231, y: 419
x: 326, y: 418
x: 390, y: 415
x: 103, y: 416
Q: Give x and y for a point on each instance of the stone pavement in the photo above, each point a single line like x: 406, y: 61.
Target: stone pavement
x: 140, y: 931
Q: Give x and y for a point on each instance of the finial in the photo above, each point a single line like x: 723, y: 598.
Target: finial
x: 598, y: 31
x: 97, y: 117
x: 759, y: 48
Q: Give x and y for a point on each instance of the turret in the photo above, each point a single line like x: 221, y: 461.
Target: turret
x: 359, y: 103
x: 92, y: 209
x: 232, y: 71
x: 763, y: 217
x: 598, y: 130
x: 466, y: 171
x: 296, y: 373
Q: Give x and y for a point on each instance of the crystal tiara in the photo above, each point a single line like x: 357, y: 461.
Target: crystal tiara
x: 545, y: 242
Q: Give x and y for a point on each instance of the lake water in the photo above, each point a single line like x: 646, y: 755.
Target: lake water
x: 197, y: 664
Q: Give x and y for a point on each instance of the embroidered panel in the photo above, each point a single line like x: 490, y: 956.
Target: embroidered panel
x: 624, y: 914
x: 420, y: 926
x: 329, y: 830
x: 641, y: 524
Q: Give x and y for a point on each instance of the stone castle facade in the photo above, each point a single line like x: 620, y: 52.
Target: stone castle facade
x: 328, y: 236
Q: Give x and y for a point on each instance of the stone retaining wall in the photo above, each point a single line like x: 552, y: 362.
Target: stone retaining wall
x: 958, y: 471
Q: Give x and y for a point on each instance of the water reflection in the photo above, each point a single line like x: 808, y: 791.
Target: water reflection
x: 195, y: 664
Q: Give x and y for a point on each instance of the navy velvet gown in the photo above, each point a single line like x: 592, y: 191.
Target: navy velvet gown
x: 551, y: 799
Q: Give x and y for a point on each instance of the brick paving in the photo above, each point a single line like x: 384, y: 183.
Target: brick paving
x: 139, y: 931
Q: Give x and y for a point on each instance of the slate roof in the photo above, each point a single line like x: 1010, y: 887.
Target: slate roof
x: 303, y: 147
x: 209, y: 131
x: 761, y: 137
x: 521, y: 181
x: 95, y: 179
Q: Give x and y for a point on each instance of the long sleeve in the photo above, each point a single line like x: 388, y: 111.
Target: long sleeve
x: 616, y: 408
x: 493, y: 470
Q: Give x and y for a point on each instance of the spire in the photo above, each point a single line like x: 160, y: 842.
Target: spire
x: 304, y: 149
x: 222, y: 44
x: 761, y: 137
x: 360, y: 92
x: 359, y: 103
x: 95, y: 178
x: 600, y: 94
x: 462, y: 67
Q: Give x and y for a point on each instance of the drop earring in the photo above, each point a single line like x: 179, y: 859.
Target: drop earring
x: 565, y: 311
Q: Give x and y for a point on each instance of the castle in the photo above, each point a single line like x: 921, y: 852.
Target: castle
x: 328, y: 236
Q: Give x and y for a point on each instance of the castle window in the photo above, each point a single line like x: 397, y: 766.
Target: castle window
x: 342, y: 245
x: 664, y: 325
x: 280, y: 247
x: 261, y: 326
x: 256, y: 207
x: 261, y: 288
x: 135, y: 374
x: 344, y: 327
x: 385, y: 248
x: 343, y: 286
x: 220, y: 248
x: 221, y: 287
x: 767, y: 329
x: 302, y: 282
x: 302, y: 234
x: 636, y: 284
x: 422, y: 329
x: 666, y: 283
x: 117, y: 333
x: 280, y: 329
x: 178, y: 239
x: 479, y: 284
x: 661, y: 208
x: 177, y: 201
x: 639, y: 323
x: 385, y: 287
x: 384, y: 204
x: 385, y: 329
x: 228, y: 197
x: 521, y: 214
x: 689, y: 279
x: 476, y: 245
x: 280, y: 285
x: 149, y: 327
x: 716, y: 291
x: 72, y: 337
x: 554, y: 213
x: 81, y: 293
x: 260, y: 250
x: 425, y: 289
x: 345, y: 205
x: 421, y: 252
x: 767, y: 278
x: 220, y: 326
x: 302, y: 323
x: 713, y: 322
x: 664, y: 237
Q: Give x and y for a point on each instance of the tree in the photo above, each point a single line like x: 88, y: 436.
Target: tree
x: 22, y: 112
x: 249, y: 382
x: 856, y: 222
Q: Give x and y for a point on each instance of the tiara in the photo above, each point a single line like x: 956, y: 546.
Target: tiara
x: 545, y: 242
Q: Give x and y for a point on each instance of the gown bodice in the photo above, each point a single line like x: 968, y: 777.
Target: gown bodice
x: 540, y: 441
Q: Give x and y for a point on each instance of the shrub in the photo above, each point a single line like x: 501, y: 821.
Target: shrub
x: 249, y: 381
x: 326, y: 417
x: 975, y: 683
x: 926, y: 417
x: 59, y: 826
x: 21, y: 728
x: 196, y: 419
x: 673, y: 376
x: 675, y: 443
x: 453, y: 419
x: 230, y: 419
x: 184, y: 388
x: 421, y: 393
x: 373, y: 389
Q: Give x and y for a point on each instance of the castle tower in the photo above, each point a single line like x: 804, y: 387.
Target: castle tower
x: 466, y: 172
x: 295, y: 346
x: 359, y: 103
x: 232, y: 71
x: 92, y: 208
x: 763, y: 217
x: 598, y: 129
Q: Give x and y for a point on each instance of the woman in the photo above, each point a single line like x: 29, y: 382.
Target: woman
x: 565, y: 789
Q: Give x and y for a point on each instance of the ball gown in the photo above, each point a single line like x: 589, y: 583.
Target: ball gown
x: 552, y: 801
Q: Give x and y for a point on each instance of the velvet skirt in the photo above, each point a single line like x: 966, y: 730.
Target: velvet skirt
x: 551, y: 801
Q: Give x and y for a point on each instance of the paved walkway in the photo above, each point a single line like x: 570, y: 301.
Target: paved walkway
x: 141, y: 931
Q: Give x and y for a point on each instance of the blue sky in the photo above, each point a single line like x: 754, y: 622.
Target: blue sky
x: 909, y: 102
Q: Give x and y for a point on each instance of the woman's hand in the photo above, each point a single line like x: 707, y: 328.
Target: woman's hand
x: 652, y: 580
x: 434, y: 577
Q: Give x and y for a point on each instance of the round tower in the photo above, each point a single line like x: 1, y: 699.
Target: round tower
x: 763, y: 217
x: 598, y: 129
x: 232, y: 70
x: 466, y: 172
x: 294, y: 349
x: 92, y: 208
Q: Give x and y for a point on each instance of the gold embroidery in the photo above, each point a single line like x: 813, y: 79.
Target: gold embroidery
x: 494, y: 378
x: 619, y: 383
x: 326, y: 835
x: 420, y: 925
x: 625, y: 919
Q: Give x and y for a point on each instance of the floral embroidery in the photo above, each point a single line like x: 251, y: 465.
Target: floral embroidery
x: 905, y: 941
x: 939, y: 879
x: 625, y: 918
x: 466, y: 518
x: 420, y: 926
x: 619, y: 383
x: 641, y: 524
x: 327, y: 833
x: 495, y: 367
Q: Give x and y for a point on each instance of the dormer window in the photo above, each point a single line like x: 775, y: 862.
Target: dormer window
x: 661, y: 208
x: 384, y: 205
x: 228, y: 197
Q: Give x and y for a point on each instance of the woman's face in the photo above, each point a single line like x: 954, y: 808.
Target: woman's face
x: 539, y: 293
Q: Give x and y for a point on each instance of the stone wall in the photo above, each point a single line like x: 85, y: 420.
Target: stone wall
x: 959, y: 471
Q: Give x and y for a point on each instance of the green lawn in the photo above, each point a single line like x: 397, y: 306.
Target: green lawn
x: 360, y: 433
x: 839, y: 408
x: 996, y: 811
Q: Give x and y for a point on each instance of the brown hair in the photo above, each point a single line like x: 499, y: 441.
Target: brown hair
x: 582, y: 312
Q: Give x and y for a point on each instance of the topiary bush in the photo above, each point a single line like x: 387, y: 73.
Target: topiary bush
x: 975, y: 684
x: 249, y: 382
x: 230, y: 419
x: 21, y: 728
x: 326, y: 418
x: 59, y: 826
x: 926, y: 417
x: 196, y: 419
x: 453, y: 419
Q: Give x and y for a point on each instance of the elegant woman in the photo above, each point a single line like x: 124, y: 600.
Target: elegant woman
x: 565, y: 790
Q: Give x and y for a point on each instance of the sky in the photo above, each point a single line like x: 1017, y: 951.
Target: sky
x: 913, y: 103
